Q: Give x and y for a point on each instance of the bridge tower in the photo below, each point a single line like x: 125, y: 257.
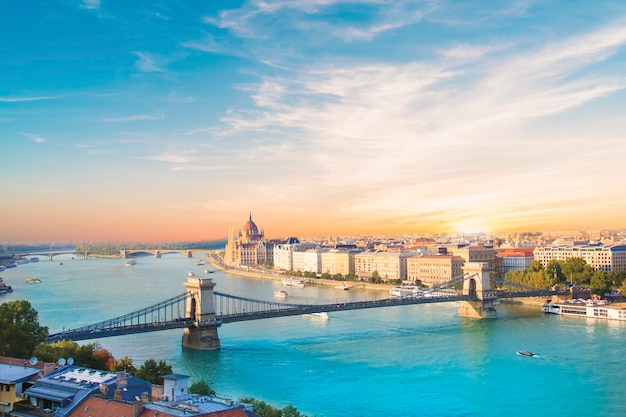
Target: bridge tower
x: 202, y: 335
x: 479, y: 285
x: 123, y: 253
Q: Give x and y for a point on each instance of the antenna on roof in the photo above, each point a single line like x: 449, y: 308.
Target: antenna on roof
x: 33, y: 361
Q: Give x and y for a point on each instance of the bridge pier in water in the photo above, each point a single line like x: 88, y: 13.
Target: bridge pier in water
x: 480, y: 286
x: 201, y: 309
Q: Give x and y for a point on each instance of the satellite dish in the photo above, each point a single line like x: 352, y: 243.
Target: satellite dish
x: 70, y: 361
x: 33, y: 361
x: 61, y: 361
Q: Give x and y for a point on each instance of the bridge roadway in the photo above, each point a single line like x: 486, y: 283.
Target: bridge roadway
x: 285, y: 310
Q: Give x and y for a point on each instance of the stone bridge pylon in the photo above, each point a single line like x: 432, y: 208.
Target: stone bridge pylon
x: 478, y: 285
x: 200, y: 308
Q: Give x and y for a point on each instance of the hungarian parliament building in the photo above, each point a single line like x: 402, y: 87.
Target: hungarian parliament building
x: 248, y: 246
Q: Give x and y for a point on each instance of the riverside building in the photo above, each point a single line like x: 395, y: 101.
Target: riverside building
x: 248, y: 247
x: 602, y: 257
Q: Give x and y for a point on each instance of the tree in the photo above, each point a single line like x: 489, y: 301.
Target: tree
x: 153, y: 372
x: 201, y: 388
x: 20, y: 331
x: 600, y: 283
x: 84, y: 355
x: 554, y: 269
x: 125, y: 364
x: 535, y: 266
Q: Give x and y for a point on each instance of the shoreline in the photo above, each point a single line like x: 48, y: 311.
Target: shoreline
x: 274, y: 276
x: 216, y: 263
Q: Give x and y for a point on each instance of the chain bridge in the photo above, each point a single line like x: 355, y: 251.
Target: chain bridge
x: 205, y: 309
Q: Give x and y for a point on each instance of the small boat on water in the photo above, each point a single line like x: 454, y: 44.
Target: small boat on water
x: 280, y: 294
x: 293, y: 282
x: 32, y: 280
x: 208, y: 271
x: 322, y: 315
x: 4, y: 288
x: 406, y: 291
x: 130, y: 262
x: 200, y: 262
x: 525, y: 353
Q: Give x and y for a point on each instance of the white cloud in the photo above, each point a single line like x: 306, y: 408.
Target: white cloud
x: 34, y: 138
x: 25, y: 99
x: 420, y: 132
x: 148, y: 62
x: 134, y: 118
x: 91, y: 4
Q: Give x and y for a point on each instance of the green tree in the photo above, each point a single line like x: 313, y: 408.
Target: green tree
x: 201, y: 388
x: 125, y: 364
x: 600, y: 283
x: 153, y: 372
x: 554, y: 269
x: 20, y: 331
x: 617, y: 277
x: 84, y: 355
x: 535, y: 266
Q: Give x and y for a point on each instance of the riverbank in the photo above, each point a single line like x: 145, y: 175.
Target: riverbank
x: 216, y: 263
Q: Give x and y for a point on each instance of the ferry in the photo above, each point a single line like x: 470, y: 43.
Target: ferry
x: 406, y: 291
x: 587, y: 308
x: 293, y: 282
x: 4, y: 288
x: 130, y: 262
x: 322, y: 315
x: 280, y: 294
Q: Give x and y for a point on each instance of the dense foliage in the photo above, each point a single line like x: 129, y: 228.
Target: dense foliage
x: 153, y: 371
x: 20, y: 331
x: 114, y: 248
x: 262, y: 409
x: 572, y: 271
x: 89, y: 355
x: 201, y: 388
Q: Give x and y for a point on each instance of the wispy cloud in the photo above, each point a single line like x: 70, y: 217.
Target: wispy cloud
x: 26, y: 99
x: 134, y: 118
x: 34, y: 138
x: 170, y: 158
x: 90, y: 4
x: 436, y: 121
x: 147, y: 62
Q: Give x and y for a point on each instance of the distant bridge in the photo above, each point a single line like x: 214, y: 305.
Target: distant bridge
x: 124, y: 253
x: 201, y: 310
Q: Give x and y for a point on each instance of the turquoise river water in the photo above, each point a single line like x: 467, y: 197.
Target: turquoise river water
x: 420, y: 360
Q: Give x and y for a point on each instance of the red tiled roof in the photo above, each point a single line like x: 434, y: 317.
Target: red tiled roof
x: 101, y: 407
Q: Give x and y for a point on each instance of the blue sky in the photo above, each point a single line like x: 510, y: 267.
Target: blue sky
x: 174, y: 120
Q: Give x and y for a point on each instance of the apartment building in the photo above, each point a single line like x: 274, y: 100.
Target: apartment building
x: 434, y: 269
x: 602, y: 257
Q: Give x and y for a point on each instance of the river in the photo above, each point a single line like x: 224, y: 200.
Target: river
x: 400, y: 361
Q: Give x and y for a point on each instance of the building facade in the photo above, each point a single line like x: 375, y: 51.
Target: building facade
x: 602, y: 257
x: 248, y: 247
x: 434, y: 269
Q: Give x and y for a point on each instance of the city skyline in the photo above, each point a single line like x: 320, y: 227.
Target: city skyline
x: 172, y: 122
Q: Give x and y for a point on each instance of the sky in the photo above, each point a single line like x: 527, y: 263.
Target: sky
x: 175, y: 120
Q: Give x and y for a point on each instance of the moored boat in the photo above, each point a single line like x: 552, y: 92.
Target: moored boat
x: 321, y: 315
x: 406, y: 291
x: 4, y: 288
x: 587, y: 308
x: 293, y: 282
x: 280, y: 294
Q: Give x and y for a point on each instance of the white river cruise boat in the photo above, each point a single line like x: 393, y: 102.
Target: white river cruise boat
x: 588, y: 308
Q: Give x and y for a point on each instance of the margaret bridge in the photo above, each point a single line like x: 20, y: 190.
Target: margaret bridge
x: 207, y: 309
